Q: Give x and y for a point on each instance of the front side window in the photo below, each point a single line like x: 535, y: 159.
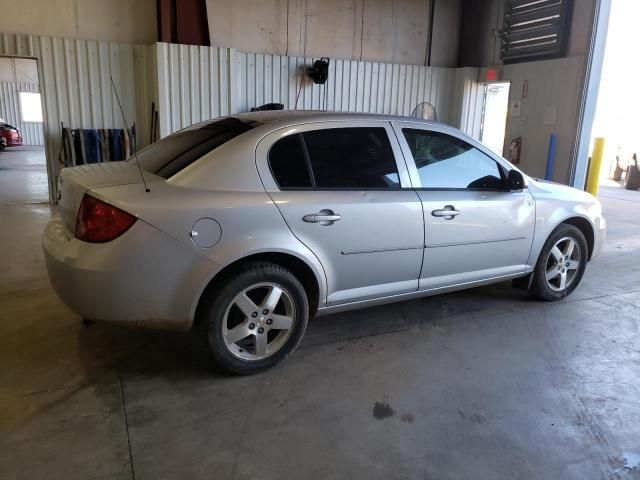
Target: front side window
x: 445, y: 162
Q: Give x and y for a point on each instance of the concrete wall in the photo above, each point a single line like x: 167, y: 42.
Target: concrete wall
x: 121, y: 21
x: 552, y: 85
x: 479, y: 47
x: 581, y: 23
x: 394, y: 31
x: 446, y: 33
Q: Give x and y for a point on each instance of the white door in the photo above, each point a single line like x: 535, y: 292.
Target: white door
x: 494, y: 116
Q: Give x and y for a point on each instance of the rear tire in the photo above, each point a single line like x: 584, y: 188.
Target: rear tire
x: 242, y: 318
x: 561, y: 264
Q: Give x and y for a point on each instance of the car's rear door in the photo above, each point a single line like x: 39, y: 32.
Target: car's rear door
x: 339, y: 187
x: 475, y: 229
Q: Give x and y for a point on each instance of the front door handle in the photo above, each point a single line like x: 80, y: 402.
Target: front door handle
x: 448, y: 212
x: 323, y: 217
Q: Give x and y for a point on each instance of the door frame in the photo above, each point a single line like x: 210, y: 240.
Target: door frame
x: 488, y: 85
x: 589, y: 94
x: 265, y: 143
x: 49, y: 160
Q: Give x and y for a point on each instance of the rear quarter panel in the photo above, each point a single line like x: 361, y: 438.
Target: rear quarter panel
x: 250, y: 223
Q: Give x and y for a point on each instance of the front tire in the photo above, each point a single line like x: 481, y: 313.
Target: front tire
x: 561, y: 264
x: 256, y: 319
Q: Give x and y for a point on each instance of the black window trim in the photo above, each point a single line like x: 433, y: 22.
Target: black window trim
x: 314, y: 187
x: 501, y: 168
x: 307, y: 159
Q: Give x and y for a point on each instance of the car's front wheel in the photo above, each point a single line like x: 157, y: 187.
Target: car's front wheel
x: 561, y: 264
x: 256, y: 319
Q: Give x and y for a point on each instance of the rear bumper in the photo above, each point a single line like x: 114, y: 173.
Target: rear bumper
x: 143, y: 278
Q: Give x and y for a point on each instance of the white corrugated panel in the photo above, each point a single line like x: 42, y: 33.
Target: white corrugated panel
x: 472, y: 100
x: 193, y: 85
x: 76, y: 88
x: 354, y: 86
x: 198, y: 83
x: 10, y: 112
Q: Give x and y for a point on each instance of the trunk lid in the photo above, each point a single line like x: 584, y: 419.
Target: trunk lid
x: 74, y: 182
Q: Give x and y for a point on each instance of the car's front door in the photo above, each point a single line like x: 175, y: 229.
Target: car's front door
x: 340, y: 190
x: 475, y: 229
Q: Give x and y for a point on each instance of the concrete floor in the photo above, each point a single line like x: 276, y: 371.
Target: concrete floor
x: 482, y: 384
x: 23, y: 175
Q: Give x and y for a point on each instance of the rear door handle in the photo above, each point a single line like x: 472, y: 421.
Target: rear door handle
x: 323, y: 217
x: 448, y: 212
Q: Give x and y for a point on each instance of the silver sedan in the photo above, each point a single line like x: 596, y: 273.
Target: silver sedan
x: 249, y: 225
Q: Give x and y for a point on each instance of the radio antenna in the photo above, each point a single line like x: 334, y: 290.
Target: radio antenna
x: 124, y: 120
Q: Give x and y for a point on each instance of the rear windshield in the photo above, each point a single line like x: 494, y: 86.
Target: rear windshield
x: 172, y: 154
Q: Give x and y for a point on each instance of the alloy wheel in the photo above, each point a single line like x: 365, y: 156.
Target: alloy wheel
x: 563, y: 264
x: 259, y: 321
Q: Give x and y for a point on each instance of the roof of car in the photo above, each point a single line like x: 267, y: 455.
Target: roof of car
x: 270, y: 116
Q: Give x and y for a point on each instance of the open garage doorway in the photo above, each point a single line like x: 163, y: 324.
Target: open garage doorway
x: 23, y: 166
x: 494, y: 116
x: 616, y: 118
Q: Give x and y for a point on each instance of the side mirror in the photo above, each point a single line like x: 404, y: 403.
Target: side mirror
x: 515, y: 181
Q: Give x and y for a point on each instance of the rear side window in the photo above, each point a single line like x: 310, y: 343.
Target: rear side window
x: 352, y: 158
x: 446, y: 162
x: 335, y: 158
x: 288, y: 164
x: 172, y: 154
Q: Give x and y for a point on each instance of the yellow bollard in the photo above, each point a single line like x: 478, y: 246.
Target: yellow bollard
x: 593, y: 175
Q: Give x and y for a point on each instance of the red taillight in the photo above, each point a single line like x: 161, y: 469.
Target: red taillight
x: 99, y: 222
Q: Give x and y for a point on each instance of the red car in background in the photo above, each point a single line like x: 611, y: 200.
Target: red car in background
x: 11, y: 134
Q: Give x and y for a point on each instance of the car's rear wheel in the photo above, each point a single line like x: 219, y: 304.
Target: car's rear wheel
x: 561, y: 264
x: 256, y: 319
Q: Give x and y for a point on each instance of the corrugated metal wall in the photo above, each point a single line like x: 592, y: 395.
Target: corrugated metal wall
x: 75, y: 84
x: 472, y: 101
x: 354, y: 86
x: 32, y: 133
x: 194, y: 84
x: 197, y: 83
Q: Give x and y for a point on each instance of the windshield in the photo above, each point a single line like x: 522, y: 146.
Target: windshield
x: 172, y: 154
